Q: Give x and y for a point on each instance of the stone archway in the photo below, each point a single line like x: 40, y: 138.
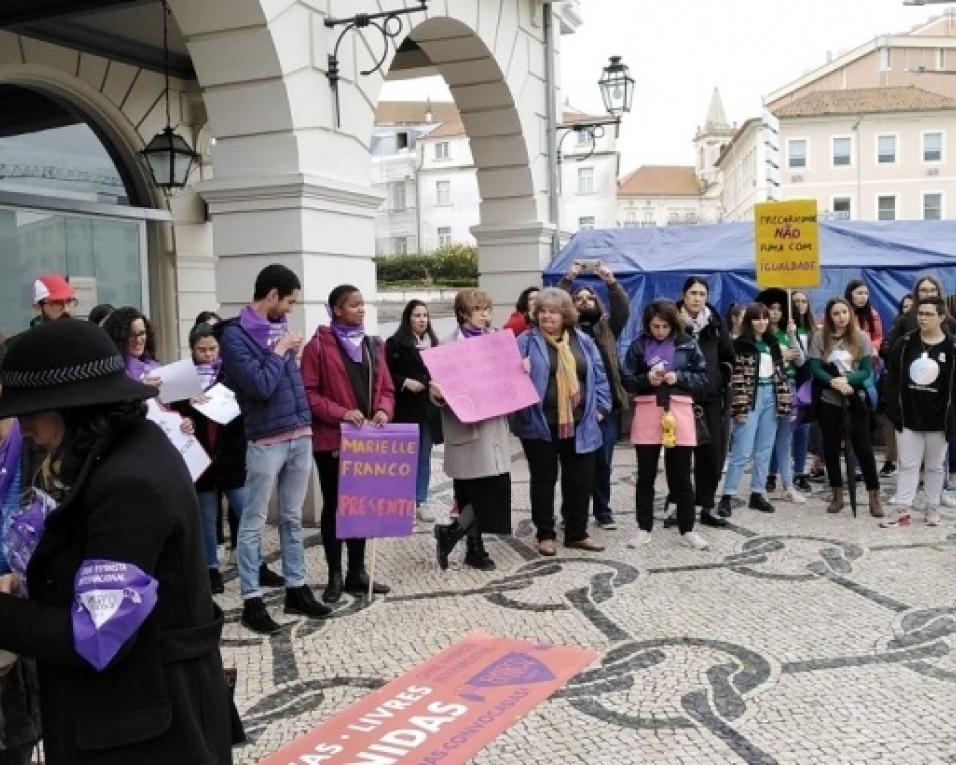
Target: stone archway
x: 291, y: 187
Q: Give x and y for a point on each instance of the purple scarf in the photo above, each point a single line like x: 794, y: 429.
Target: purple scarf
x: 350, y: 339
x: 208, y: 373
x: 469, y: 331
x: 9, y: 458
x: 139, y: 368
x: 659, y: 353
x: 23, y: 532
x: 266, y: 332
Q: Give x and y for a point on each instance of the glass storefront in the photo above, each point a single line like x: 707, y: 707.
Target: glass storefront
x: 64, y: 206
x: 103, y: 257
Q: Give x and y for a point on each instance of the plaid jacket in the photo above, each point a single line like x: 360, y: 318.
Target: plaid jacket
x: 743, y: 381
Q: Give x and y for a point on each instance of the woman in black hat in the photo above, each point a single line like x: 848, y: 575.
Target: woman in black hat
x: 119, y: 615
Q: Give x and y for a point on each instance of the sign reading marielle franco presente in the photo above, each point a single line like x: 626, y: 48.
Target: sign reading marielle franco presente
x: 377, y: 472
x: 481, y: 377
x: 787, y: 243
x: 442, y: 711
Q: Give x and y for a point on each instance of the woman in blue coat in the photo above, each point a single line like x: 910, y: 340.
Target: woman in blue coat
x: 563, y: 429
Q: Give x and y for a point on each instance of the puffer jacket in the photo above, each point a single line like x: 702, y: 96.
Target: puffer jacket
x: 268, y: 387
x: 743, y: 382
x: 689, y: 366
x: 717, y: 347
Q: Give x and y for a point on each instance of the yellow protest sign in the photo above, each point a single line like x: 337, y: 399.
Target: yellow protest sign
x: 787, y: 243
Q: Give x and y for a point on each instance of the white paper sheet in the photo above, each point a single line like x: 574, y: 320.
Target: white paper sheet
x: 180, y: 381
x: 188, y: 446
x: 221, y: 407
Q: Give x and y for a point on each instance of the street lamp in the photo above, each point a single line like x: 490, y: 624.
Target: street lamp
x: 167, y: 155
x: 617, y: 91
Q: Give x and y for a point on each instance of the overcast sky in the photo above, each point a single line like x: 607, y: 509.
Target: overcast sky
x: 679, y: 50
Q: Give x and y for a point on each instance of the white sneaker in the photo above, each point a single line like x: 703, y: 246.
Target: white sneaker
x: 895, y: 516
x: 932, y: 516
x: 695, y: 540
x: 640, y: 539
x: 425, y: 514
x: 790, y: 494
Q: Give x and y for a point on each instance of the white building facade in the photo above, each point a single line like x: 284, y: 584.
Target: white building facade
x: 430, y: 153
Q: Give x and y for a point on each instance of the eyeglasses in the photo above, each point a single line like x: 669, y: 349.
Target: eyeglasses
x: 137, y: 335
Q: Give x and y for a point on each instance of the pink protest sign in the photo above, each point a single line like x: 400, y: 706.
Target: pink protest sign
x: 377, y: 472
x: 481, y: 377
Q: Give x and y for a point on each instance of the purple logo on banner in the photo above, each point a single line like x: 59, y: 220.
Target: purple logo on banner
x: 377, y: 472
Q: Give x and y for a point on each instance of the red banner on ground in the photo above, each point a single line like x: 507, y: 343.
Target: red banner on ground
x: 442, y: 711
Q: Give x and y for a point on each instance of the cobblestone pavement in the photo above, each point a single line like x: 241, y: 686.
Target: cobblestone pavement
x: 798, y: 637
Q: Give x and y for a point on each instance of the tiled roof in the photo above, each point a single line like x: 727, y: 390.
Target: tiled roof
x: 660, y: 180
x: 414, y: 112
x: 907, y: 98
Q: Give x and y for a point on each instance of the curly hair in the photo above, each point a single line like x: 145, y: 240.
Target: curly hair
x: 117, y: 326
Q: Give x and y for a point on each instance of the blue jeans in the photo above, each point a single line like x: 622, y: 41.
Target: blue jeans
x: 753, y: 438
x: 209, y: 517
x: 424, y: 464
x: 601, y: 493
x: 289, y: 464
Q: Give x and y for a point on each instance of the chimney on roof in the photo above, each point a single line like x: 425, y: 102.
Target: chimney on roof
x: 429, y: 115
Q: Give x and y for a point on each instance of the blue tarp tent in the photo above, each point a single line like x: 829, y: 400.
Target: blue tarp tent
x: 654, y: 262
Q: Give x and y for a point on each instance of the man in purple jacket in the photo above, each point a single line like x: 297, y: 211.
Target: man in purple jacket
x: 259, y: 360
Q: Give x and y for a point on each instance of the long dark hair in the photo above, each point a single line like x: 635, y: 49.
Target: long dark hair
x: 804, y: 321
x: 690, y: 281
x: 405, y: 334
x: 90, y: 431
x: 755, y: 311
x: 665, y: 310
x: 863, y: 313
x: 524, y: 299
x: 117, y: 326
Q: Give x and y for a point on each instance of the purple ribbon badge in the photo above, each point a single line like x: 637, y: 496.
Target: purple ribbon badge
x: 113, y: 599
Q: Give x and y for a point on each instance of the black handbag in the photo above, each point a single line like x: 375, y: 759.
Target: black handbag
x: 700, y: 425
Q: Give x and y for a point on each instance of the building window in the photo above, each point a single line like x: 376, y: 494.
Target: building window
x: 886, y: 149
x: 886, y: 208
x: 796, y: 153
x: 932, y: 147
x: 842, y: 208
x: 396, y: 193
x: 401, y: 245
x: 932, y: 206
x: 647, y: 218
x: 401, y: 140
x: 586, y: 223
x: 583, y: 137
x: 885, y: 60
x: 443, y: 193
x: 444, y: 236
x: 842, y: 148
x: 441, y: 150
x: 941, y: 58
x: 585, y: 180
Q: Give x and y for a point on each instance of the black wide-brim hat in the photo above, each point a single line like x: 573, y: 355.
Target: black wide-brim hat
x: 773, y: 295
x: 64, y: 364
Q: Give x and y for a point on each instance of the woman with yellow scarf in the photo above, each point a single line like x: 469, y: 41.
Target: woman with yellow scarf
x: 563, y: 429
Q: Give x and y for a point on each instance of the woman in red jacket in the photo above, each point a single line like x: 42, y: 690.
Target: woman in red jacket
x: 346, y: 380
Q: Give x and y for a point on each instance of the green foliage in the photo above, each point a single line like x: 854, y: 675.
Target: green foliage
x: 455, y: 265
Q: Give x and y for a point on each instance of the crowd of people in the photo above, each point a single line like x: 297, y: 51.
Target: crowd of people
x: 94, y: 495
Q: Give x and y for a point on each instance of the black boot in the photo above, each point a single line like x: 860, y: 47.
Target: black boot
x: 724, y: 509
x: 300, y: 600
x: 216, y: 584
x: 333, y: 590
x: 269, y: 578
x: 446, y: 537
x: 709, y: 517
x: 477, y: 557
x: 356, y: 583
x: 256, y: 618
